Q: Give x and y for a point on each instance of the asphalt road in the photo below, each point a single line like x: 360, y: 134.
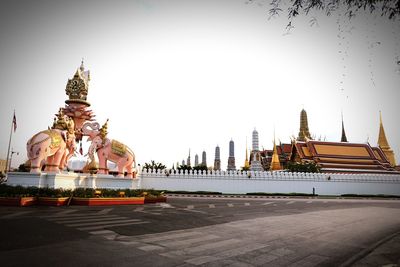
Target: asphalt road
x: 188, y: 231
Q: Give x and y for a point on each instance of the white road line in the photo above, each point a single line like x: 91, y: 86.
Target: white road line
x: 102, y: 222
x: 230, y: 205
x: 150, y: 248
x: 102, y: 232
x: 211, y: 206
x: 186, y: 242
x: 309, y: 202
x: 139, y: 209
x: 267, y: 203
x: 190, y: 207
x: 166, y: 205
x: 90, y: 228
x: 168, y: 235
x: 247, y: 204
x: 16, y: 214
x: 105, y: 211
x: 290, y: 202
x: 92, y: 219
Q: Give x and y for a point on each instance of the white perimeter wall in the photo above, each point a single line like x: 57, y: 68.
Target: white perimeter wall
x: 273, y: 182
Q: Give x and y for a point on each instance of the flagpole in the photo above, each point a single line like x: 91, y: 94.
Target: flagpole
x: 9, y: 143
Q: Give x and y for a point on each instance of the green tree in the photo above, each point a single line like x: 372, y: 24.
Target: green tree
x: 303, y: 167
x: 184, y: 167
x: 154, y: 166
x: 384, y: 8
x: 200, y: 167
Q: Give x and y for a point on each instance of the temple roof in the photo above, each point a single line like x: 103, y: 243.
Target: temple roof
x: 343, y: 156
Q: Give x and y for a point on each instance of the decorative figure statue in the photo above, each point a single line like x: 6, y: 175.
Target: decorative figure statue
x: 53, y: 146
x: 108, y: 149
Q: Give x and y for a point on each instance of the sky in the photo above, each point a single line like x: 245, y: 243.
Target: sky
x: 178, y: 75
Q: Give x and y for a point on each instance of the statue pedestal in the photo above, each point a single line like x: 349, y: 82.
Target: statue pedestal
x: 67, y: 180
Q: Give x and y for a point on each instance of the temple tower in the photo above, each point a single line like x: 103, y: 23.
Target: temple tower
x: 188, y: 159
x: 304, y: 133
x: 204, y: 159
x: 384, y: 144
x: 275, y: 163
x: 231, y: 158
x: 344, y: 138
x: 255, y: 164
x: 246, y: 161
x: 196, y: 160
x: 217, y: 160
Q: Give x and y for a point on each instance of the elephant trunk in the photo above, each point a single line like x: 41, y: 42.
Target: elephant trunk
x: 93, y: 131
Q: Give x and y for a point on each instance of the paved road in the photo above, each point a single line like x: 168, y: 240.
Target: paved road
x: 200, y: 232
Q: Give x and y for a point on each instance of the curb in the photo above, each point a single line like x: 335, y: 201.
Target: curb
x: 363, y: 253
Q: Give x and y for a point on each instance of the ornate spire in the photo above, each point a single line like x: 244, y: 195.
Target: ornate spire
x: 246, y: 161
x: 217, y: 160
x: 304, y: 133
x: 384, y: 144
x: 188, y: 159
x: 231, y: 158
x: 77, y: 87
x: 275, y: 163
x: 344, y: 138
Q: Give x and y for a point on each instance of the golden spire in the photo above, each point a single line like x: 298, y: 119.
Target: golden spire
x: 246, y: 162
x: 275, y: 163
x: 344, y: 137
x: 103, y: 131
x: 384, y: 144
x: 304, y: 133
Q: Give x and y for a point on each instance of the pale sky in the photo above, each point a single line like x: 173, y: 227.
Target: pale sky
x: 173, y: 75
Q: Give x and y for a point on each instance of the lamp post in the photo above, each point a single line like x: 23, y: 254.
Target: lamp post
x: 12, y: 153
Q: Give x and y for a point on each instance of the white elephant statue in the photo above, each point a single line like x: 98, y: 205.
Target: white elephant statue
x: 108, y: 149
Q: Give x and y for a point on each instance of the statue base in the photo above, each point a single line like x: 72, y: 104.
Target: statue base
x: 68, y: 180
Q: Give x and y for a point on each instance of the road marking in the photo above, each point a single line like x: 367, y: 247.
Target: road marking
x: 190, y: 207
x: 166, y: 205
x: 92, y: 219
x: 230, y: 205
x: 247, y: 204
x: 105, y: 211
x: 211, y: 206
x: 102, y: 232
x: 16, y: 214
x: 89, y: 228
x: 290, y: 202
x: 267, y: 203
x: 139, y: 209
x: 150, y: 248
x: 309, y: 202
x: 102, y: 222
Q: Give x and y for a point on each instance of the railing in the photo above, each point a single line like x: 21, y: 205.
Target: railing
x: 268, y: 175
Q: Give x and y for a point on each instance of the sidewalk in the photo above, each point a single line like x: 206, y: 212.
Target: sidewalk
x: 386, y: 253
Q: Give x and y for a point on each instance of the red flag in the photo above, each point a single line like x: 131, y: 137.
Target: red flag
x: 14, y: 122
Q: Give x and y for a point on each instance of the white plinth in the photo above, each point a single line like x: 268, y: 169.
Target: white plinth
x: 68, y: 180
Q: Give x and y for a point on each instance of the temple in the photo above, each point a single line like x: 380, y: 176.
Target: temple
x: 332, y: 157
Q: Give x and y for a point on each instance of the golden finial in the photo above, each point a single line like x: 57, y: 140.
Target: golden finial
x: 60, y: 122
x: 103, y: 130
